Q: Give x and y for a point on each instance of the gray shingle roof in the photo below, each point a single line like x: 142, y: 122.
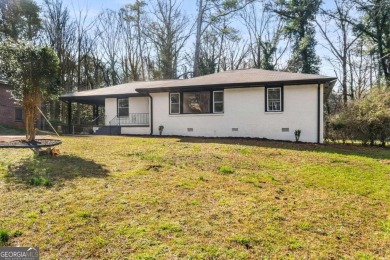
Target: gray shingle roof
x: 127, y: 88
x: 240, y: 78
x: 227, y: 79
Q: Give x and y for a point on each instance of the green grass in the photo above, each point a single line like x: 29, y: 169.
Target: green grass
x: 173, y: 198
x: 4, y: 237
x: 226, y: 169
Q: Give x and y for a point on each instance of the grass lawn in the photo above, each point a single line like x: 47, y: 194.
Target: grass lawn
x: 7, y: 130
x: 172, y: 198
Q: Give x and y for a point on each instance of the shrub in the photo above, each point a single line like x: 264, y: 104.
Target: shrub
x: 84, y: 215
x: 170, y: 227
x: 225, y: 169
x: 297, y: 134
x: 242, y: 240
x: 40, y: 181
x: 161, y: 129
x: 17, y: 233
x: 4, y: 237
x: 366, y: 120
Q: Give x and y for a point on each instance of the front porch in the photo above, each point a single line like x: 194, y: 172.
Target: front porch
x: 122, y: 115
x: 133, y: 119
x: 134, y: 123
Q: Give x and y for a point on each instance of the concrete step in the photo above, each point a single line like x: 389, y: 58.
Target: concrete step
x: 107, y: 130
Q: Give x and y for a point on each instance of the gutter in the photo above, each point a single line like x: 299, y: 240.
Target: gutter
x: 232, y: 85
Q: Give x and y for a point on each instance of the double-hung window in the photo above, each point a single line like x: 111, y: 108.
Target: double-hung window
x: 274, y: 99
x: 218, y: 101
x: 123, y: 107
x: 174, y: 103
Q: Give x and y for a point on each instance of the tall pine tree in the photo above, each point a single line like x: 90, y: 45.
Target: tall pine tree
x: 300, y: 16
x: 19, y: 19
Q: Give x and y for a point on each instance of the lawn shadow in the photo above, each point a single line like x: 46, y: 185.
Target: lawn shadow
x: 358, y: 150
x: 48, y: 170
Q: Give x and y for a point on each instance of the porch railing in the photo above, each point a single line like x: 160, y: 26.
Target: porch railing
x: 131, y: 119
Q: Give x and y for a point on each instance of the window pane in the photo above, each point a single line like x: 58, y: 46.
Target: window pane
x: 273, y: 93
x: 196, y: 102
x: 273, y: 105
x: 123, y: 111
x: 123, y: 102
x: 175, y: 108
x: 175, y: 98
x: 123, y: 107
x: 218, y: 107
x: 218, y: 96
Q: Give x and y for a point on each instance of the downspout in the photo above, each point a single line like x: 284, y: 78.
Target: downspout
x: 151, y: 114
x: 318, y: 112
x: 69, y: 117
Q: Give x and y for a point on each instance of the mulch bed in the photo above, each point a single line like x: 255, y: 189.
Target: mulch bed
x: 38, y: 143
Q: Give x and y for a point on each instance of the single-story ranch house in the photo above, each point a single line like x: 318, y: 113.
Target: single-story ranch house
x: 240, y: 103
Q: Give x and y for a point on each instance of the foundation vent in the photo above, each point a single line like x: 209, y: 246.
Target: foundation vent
x: 235, y: 129
x: 190, y: 129
x: 285, y: 129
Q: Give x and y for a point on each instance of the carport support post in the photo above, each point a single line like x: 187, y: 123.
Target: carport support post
x: 96, y: 114
x: 69, y: 117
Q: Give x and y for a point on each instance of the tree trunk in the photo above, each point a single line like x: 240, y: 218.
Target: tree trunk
x: 198, y: 35
x: 30, y: 103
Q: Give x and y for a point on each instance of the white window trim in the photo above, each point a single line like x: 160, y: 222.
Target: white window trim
x: 170, y: 103
x: 217, y: 102
x: 280, y: 99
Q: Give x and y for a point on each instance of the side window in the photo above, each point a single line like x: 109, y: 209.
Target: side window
x: 274, y: 99
x: 218, y: 101
x: 18, y: 114
x: 123, y: 107
x: 174, y: 104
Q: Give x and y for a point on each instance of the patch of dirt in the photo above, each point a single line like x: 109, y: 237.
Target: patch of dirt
x: 17, y: 142
x: 385, y: 161
x: 9, y: 138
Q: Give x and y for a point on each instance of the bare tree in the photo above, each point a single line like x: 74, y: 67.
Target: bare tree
x: 340, y: 39
x: 265, y: 36
x: 84, y: 44
x: 235, y: 53
x: 168, y: 33
x: 209, y: 12
x: 109, y: 30
x: 134, y: 15
x: 362, y: 70
x: 208, y: 57
x: 59, y: 33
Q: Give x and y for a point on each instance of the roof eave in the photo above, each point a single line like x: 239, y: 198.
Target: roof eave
x: 97, y: 99
x: 234, y: 85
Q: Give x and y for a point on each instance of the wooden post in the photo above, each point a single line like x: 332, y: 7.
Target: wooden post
x: 69, y: 117
x: 96, y: 114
